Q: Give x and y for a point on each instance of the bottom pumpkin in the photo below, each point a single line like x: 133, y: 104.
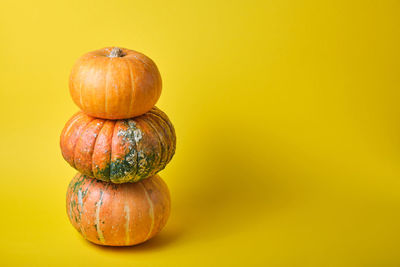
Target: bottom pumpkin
x: 118, y: 214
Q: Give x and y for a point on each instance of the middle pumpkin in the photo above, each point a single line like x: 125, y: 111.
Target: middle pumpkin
x: 119, y: 151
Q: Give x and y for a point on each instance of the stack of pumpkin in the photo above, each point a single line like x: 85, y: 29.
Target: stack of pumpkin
x: 118, y: 143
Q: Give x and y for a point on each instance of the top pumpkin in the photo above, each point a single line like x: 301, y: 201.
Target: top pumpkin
x: 115, y: 83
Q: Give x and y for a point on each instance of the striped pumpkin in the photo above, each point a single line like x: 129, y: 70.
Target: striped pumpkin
x: 118, y: 214
x: 119, y: 151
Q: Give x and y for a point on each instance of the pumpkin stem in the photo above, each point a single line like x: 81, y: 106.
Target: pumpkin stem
x: 116, y: 52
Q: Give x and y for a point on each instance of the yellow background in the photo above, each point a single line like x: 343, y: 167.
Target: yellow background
x: 288, y: 122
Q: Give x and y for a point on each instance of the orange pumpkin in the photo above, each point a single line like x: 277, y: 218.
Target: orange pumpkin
x: 115, y: 83
x: 119, y: 151
x: 118, y: 215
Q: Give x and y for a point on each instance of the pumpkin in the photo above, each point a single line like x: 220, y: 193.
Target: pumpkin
x: 118, y: 214
x: 119, y: 151
x: 115, y: 83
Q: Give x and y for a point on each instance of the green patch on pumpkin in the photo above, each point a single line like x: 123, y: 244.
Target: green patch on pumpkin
x: 76, y: 183
x: 103, y: 174
x: 124, y: 169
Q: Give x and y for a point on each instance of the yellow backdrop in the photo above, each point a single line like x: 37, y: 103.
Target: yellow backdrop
x: 287, y: 119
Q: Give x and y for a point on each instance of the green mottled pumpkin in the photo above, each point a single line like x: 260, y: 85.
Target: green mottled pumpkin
x: 119, y: 151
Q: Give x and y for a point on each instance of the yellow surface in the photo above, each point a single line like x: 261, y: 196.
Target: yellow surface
x: 288, y: 122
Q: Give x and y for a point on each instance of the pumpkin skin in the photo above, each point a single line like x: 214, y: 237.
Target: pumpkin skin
x: 118, y: 214
x: 115, y: 83
x: 119, y: 151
